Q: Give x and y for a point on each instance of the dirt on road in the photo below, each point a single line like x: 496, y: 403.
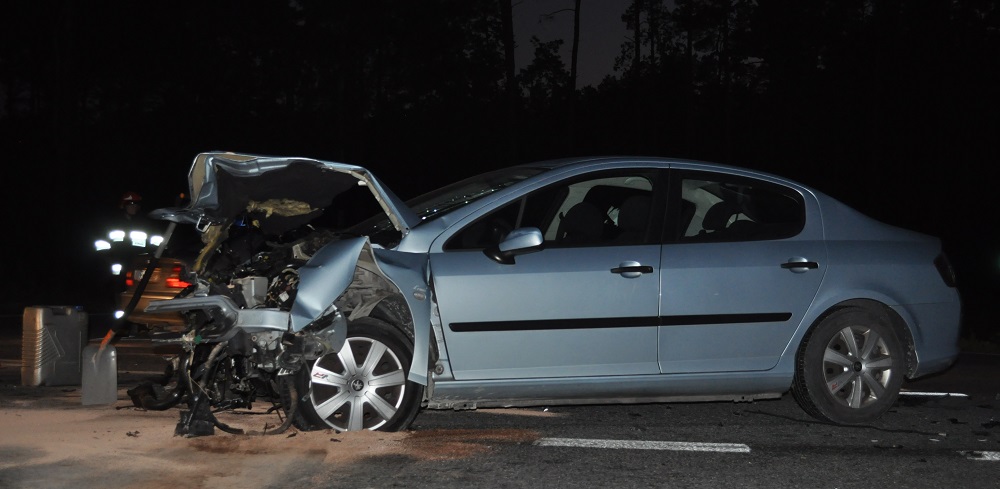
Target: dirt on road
x: 49, y: 439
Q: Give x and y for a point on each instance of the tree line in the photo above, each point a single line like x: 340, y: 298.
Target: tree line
x: 889, y: 105
x: 797, y: 87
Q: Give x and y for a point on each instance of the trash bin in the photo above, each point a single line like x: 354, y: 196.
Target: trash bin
x: 52, y: 342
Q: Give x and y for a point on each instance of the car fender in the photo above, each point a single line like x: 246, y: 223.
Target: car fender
x: 408, y: 272
x: 826, y: 299
x: 324, y: 278
x: 328, y: 274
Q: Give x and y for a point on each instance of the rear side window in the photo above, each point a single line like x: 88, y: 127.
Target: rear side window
x: 716, y: 207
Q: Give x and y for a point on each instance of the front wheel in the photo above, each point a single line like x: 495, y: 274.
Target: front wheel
x: 363, y: 386
x: 849, y: 369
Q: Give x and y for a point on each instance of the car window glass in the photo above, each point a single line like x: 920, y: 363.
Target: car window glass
x: 487, y: 231
x: 609, y: 209
x: 442, y: 201
x: 726, y: 208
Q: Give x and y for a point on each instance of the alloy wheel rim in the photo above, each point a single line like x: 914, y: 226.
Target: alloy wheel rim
x: 360, y: 387
x: 857, y: 367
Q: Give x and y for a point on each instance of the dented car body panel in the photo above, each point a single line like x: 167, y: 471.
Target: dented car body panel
x: 224, y: 185
x: 324, y: 278
x: 252, y: 179
x: 408, y: 271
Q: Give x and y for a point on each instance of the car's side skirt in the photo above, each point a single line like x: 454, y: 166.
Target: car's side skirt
x: 738, y: 386
x: 461, y: 405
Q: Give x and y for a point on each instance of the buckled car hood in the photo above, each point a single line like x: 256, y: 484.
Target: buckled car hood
x: 290, y: 191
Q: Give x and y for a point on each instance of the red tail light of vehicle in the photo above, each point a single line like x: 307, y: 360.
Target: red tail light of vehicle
x: 946, y: 270
x: 174, y: 279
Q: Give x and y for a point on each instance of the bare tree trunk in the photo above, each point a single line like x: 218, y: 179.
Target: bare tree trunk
x: 637, y: 95
x: 571, y: 99
x: 689, y: 106
x: 726, y: 78
x: 637, y: 20
x: 513, y: 95
x: 576, y: 46
x: 63, y: 100
x: 654, y: 33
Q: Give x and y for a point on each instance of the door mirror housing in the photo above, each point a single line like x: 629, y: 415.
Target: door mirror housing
x: 517, y: 242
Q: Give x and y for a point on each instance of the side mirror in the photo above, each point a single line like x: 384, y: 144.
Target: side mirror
x: 518, y: 242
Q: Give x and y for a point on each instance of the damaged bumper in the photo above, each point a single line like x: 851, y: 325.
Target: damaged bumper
x: 227, y: 318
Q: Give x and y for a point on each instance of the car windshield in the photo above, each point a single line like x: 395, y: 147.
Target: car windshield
x: 444, y: 200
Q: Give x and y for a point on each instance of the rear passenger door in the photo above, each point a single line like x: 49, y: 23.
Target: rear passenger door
x: 742, y: 261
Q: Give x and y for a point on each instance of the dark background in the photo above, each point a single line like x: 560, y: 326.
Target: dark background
x: 889, y: 106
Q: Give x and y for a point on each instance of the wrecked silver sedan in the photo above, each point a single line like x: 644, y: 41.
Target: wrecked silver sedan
x: 591, y: 280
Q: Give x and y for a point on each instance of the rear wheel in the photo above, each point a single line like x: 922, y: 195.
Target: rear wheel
x: 363, y: 386
x: 849, y: 368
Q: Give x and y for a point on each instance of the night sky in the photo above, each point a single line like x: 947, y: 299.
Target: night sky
x: 892, y: 107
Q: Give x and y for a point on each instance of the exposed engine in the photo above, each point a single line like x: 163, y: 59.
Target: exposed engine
x: 272, y: 294
x: 256, y: 272
x: 230, y: 363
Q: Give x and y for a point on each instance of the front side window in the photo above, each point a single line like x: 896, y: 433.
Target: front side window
x: 603, y: 209
x: 444, y: 200
x: 718, y: 207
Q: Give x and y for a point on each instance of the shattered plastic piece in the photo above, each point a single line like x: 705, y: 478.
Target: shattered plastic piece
x: 196, y: 423
x: 987, y: 456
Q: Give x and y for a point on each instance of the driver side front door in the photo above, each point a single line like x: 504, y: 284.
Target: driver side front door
x: 585, y: 305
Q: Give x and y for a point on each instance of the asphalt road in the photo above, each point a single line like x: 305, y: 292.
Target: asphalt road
x: 934, y: 440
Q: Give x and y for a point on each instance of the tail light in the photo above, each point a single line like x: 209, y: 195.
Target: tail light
x: 174, y: 279
x: 945, y: 269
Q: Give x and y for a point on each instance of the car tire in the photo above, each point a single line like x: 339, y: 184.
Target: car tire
x: 364, y: 385
x: 849, y: 368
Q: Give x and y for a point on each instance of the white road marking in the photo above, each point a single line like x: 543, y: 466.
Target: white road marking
x: 982, y: 456
x: 933, y: 394
x: 680, y: 446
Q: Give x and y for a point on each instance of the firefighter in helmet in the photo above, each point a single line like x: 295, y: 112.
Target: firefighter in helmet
x: 131, y: 204
x: 124, y: 238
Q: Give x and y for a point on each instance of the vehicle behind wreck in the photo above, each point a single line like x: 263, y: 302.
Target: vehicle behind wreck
x: 593, y: 280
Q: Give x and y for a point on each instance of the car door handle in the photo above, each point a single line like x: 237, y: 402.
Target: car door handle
x: 799, y: 266
x: 631, y: 269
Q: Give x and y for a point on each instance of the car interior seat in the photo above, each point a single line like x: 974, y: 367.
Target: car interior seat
x: 688, y: 209
x: 632, y: 219
x: 582, y: 224
x: 717, y: 218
